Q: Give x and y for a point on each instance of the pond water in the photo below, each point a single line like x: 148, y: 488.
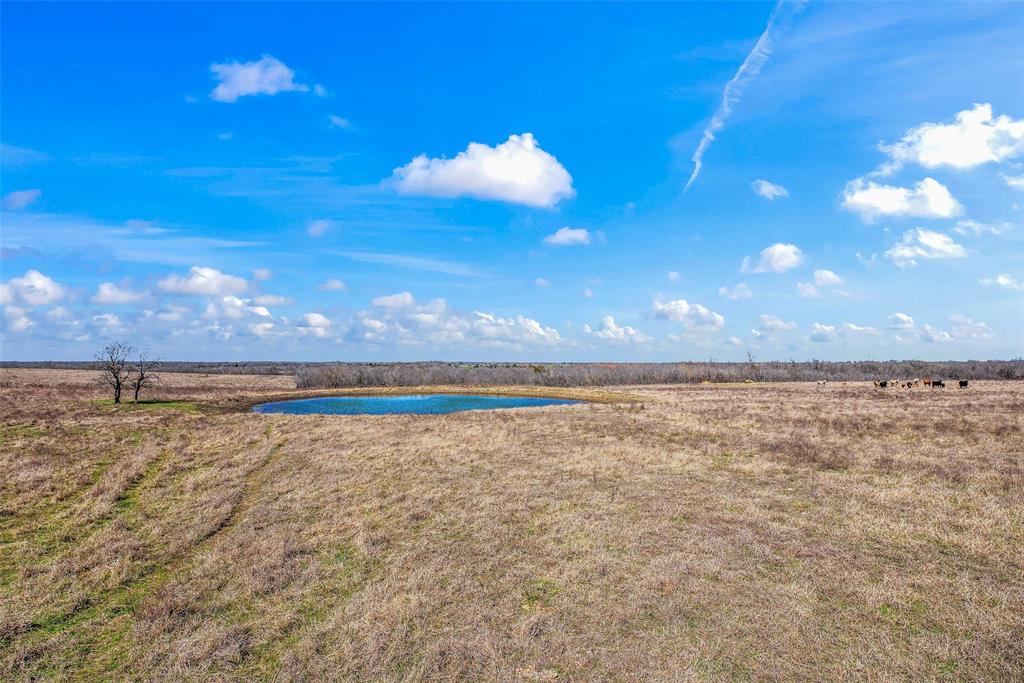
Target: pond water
x: 420, y: 404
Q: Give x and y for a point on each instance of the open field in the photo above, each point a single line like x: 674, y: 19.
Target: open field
x: 699, y: 532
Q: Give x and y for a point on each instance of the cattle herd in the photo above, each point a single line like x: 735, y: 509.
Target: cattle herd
x: 910, y: 384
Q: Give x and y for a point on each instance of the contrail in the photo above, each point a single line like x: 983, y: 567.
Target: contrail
x: 733, y: 90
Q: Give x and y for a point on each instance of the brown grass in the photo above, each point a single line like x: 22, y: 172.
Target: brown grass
x: 711, y: 532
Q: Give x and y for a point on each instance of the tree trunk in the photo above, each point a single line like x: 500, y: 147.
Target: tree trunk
x: 117, y: 394
x: 137, y: 387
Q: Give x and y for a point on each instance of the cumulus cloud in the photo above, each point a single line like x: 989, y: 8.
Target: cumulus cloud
x: 693, y: 316
x: 807, y: 290
x: 564, y: 237
x: 615, y: 333
x: 32, y: 288
x: 1004, y: 280
x: 927, y: 199
x: 860, y: 329
x: 400, y: 300
x: 516, y: 171
x: 107, y: 324
x: 318, y: 227
x: 1015, y: 182
x: 588, y: 292
x: 109, y: 293
x: 924, y: 244
x: 740, y: 291
x: 16, y: 319
x: 542, y: 282
x: 975, y: 137
x: 262, y: 274
x: 332, y: 285
x: 778, y: 258
x: 202, y: 280
x: 673, y: 276
x: 314, y: 324
x: 822, y: 333
x: 824, y: 278
x: 773, y: 323
x: 901, y: 321
x: 768, y: 190
x: 20, y: 199
x: 265, y: 76
x: 962, y: 328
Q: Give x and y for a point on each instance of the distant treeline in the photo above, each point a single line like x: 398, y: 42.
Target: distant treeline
x: 332, y: 375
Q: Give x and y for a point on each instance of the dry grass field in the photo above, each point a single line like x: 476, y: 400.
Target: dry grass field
x: 711, y: 532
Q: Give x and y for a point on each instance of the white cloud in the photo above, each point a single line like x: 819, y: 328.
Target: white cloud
x: 735, y: 342
x: 772, y: 323
x: 924, y: 244
x: 965, y: 328
x: 542, y: 282
x: 969, y: 227
x: 319, y: 90
x: 32, y: 288
x: 1014, y: 182
x: 769, y: 190
x: 17, y: 319
x: 860, y: 329
x: 400, y: 300
x: 588, y: 292
x: 564, y: 237
x: 318, y: 227
x: 975, y: 138
x: 692, y: 316
x: 822, y: 333
x: 262, y: 274
x: 109, y: 293
x: 234, y: 308
x: 824, y: 278
x: 332, y: 285
x: 927, y: 199
x: 673, y: 276
x: 339, y: 122
x: 202, y: 280
x: 778, y: 258
x: 1004, y: 280
x: 933, y: 335
x: 107, y: 323
x: 740, y: 291
x: 265, y: 76
x: 516, y: 171
x: 314, y: 324
x: 900, y: 321
x: 612, y: 332
x: 20, y: 199
x: 807, y: 290
x: 272, y: 300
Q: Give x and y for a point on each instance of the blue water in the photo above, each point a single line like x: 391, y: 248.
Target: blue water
x: 420, y: 404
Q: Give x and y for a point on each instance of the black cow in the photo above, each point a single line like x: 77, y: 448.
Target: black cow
x: 938, y: 383
x: 963, y: 384
x: 883, y: 384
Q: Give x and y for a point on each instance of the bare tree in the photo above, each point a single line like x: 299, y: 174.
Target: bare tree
x: 114, y: 368
x: 143, y: 373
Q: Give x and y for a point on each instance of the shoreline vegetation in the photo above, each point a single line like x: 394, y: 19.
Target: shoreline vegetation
x: 437, y: 373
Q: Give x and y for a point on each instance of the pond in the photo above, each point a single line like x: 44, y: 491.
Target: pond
x: 419, y: 404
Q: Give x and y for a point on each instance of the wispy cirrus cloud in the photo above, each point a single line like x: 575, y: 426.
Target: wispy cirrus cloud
x: 733, y: 91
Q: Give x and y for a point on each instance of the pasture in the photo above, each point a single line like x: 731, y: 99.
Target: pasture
x: 783, y: 531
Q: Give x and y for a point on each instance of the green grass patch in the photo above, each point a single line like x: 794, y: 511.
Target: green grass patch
x: 539, y: 594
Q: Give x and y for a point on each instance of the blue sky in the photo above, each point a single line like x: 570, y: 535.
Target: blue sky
x: 513, y: 181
